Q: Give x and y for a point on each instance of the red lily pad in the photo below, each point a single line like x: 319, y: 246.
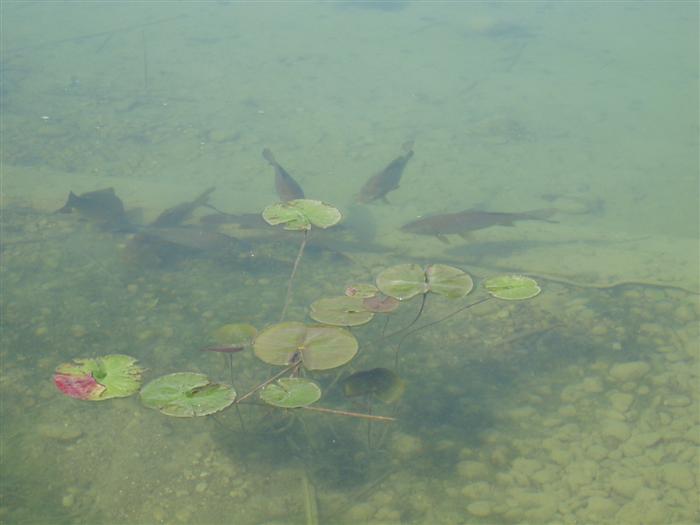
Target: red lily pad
x: 380, y: 303
x: 79, y: 387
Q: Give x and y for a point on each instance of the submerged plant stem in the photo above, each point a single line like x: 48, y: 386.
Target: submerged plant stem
x: 371, y: 417
x: 267, y: 382
x: 452, y: 314
x: 288, y: 299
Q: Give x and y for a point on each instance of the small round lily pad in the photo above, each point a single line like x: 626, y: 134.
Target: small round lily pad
x: 402, y: 281
x: 300, y: 214
x: 512, y: 287
x: 235, y: 334
x: 291, y: 392
x: 340, y: 311
x: 448, y: 281
x: 318, y: 347
x: 99, y: 378
x: 363, y: 290
x: 187, y: 394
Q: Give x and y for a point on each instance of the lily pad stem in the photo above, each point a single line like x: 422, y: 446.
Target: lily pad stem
x: 268, y: 381
x: 452, y: 314
x: 291, y: 277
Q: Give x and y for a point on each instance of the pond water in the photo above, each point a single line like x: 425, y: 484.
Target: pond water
x: 579, y: 405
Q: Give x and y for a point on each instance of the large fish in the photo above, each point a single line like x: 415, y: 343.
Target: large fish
x: 463, y: 222
x: 100, y: 206
x: 386, y: 180
x: 287, y: 188
x: 171, y: 244
x: 178, y: 214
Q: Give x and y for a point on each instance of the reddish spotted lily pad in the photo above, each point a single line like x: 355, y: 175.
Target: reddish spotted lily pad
x: 99, y: 378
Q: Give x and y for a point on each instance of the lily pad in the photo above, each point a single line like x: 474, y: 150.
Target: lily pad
x: 291, y: 392
x: 512, y: 287
x: 449, y: 281
x: 318, y: 347
x: 340, y: 311
x: 100, y: 378
x: 402, y: 281
x: 235, y: 334
x: 408, y: 280
x: 187, y: 394
x: 380, y: 303
x: 361, y: 290
x: 300, y: 214
x: 382, y: 383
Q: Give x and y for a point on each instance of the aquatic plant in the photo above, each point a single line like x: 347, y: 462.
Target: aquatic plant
x: 300, y: 215
x: 101, y: 378
x: 187, y: 394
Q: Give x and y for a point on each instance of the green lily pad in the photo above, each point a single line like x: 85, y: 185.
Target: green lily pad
x: 402, y: 281
x: 449, y: 281
x: 512, y: 287
x: 382, y: 383
x: 235, y: 334
x: 100, y: 378
x: 318, y: 347
x: 291, y: 392
x: 187, y: 394
x: 364, y: 290
x: 340, y: 311
x: 408, y: 280
x: 300, y: 214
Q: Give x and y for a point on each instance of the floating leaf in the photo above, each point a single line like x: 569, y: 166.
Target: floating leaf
x: 114, y: 375
x: 449, y: 281
x: 291, y: 392
x: 186, y: 394
x: 300, y: 214
x: 340, y: 311
x: 382, y: 383
x: 318, y: 347
x: 512, y: 287
x: 234, y: 335
x: 402, y: 281
x: 408, y: 280
x: 380, y: 303
x: 361, y: 290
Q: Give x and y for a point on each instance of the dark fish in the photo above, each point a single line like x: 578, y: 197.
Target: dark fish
x: 386, y: 180
x: 463, y: 222
x: 167, y: 244
x: 287, y: 188
x: 223, y: 349
x: 177, y: 214
x: 101, y: 206
x: 242, y: 220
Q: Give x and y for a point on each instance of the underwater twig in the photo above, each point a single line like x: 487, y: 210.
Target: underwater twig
x: 267, y: 382
x: 385, y: 419
x: 291, y: 277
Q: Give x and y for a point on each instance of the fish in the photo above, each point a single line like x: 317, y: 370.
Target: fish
x: 287, y: 188
x: 242, y: 220
x: 463, y: 222
x: 100, y: 206
x: 173, y: 243
x: 178, y: 214
x: 386, y: 180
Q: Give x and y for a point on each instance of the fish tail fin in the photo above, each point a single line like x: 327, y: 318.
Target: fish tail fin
x: 203, y: 199
x: 70, y: 203
x: 543, y: 214
x: 268, y: 156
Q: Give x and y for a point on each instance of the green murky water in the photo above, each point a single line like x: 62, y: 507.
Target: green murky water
x: 577, y: 406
